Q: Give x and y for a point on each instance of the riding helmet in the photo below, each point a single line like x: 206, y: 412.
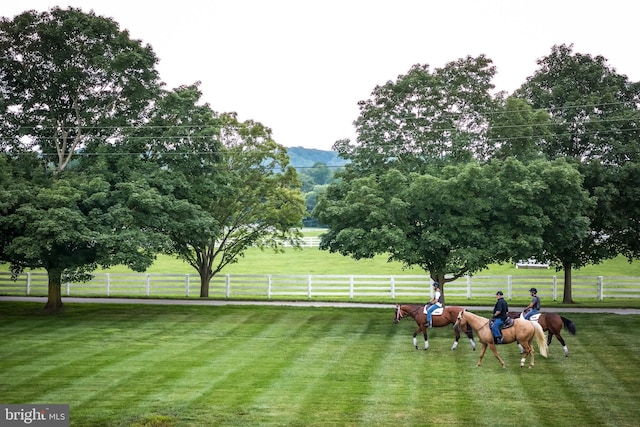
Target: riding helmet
x: 534, y: 290
x: 436, y: 285
x: 499, y: 293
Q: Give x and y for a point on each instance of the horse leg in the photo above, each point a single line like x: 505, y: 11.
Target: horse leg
x: 495, y: 353
x: 482, y: 350
x: 426, y: 340
x: 470, y: 336
x: 455, y: 343
x: 424, y: 334
x: 528, y: 351
x: 564, y: 345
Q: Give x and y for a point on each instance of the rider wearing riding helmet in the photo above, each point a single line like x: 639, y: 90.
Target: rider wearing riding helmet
x: 434, y: 304
x: 534, y: 306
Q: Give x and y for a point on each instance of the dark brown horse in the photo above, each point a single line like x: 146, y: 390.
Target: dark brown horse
x: 553, y: 323
x: 448, y: 316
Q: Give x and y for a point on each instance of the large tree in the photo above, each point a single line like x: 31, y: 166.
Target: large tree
x: 232, y: 180
x: 424, y: 118
x: 448, y: 225
x: 70, y: 81
x: 595, y: 122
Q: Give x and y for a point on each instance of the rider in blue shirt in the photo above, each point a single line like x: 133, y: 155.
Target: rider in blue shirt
x: 499, y: 315
x: 534, y: 306
x: 434, y: 303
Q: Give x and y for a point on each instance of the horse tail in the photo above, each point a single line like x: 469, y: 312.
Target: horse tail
x: 540, y: 339
x: 569, y: 325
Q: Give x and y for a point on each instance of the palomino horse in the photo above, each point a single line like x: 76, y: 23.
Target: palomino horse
x: 522, y: 331
x: 447, y: 316
x: 551, y: 322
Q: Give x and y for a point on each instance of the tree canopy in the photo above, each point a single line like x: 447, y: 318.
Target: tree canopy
x: 534, y: 174
x: 229, y: 182
x: 594, y: 122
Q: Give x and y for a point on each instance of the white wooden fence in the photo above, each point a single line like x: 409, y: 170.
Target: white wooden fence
x: 353, y: 287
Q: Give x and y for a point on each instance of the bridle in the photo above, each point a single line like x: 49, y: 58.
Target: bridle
x: 400, y: 315
x: 457, y: 324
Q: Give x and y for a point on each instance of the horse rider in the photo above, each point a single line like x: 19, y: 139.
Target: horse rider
x: 534, y: 306
x: 499, y: 316
x: 434, y: 304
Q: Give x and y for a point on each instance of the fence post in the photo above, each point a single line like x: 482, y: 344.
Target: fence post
x: 227, y: 285
x: 600, y: 288
x: 68, y: 288
x: 268, y: 286
x: 148, y: 285
x: 28, y: 283
x: 309, y: 287
x: 555, y: 288
x: 186, y: 282
x: 509, y: 287
x: 468, y: 287
x: 393, y: 287
x: 350, y: 287
x: 108, y: 280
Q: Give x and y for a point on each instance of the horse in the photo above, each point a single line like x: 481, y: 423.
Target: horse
x: 551, y: 322
x: 523, y: 331
x: 441, y: 317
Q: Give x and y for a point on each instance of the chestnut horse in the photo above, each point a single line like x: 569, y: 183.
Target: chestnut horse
x: 522, y: 331
x: 448, y: 316
x: 551, y: 322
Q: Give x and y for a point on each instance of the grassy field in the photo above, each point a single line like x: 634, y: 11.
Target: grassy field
x: 138, y: 365
x: 315, y: 261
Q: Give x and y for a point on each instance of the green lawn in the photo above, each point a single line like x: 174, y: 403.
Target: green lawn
x: 139, y: 365
x: 315, y: 261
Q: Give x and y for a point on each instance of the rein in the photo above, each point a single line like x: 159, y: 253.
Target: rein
x: 411, y: 313
x: 483, y: 326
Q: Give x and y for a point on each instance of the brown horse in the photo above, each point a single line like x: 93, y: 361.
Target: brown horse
x: 522, y: 331
x: 449, y: 316
x: 553, y: 323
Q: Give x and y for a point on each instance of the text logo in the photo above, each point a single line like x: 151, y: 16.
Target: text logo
x: 34, y: 415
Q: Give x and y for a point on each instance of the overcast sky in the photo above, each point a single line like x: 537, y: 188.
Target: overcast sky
x: 300, y: 67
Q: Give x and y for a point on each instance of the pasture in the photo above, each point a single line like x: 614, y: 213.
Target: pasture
x: 160, y: 365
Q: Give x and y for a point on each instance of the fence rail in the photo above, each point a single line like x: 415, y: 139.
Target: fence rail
x: 274, y: 286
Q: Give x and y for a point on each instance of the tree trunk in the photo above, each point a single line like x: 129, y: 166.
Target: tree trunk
x: 54, y: 293
x: 205, y: 279
x: 567, y: 297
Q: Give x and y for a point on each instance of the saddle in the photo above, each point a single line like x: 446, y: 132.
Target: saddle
x: 533, y: 318
x: 508, y: 322
x: 437, y: 312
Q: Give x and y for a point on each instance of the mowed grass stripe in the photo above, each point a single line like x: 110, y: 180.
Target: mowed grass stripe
x: 287, y: 373
x: 245, y: 359
x: 599, y: 351
x: 210, y: 366
x: 183, y: 368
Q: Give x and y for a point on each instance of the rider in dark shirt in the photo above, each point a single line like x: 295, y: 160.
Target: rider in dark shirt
x: 534, y: 306
x: 499, y: 314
